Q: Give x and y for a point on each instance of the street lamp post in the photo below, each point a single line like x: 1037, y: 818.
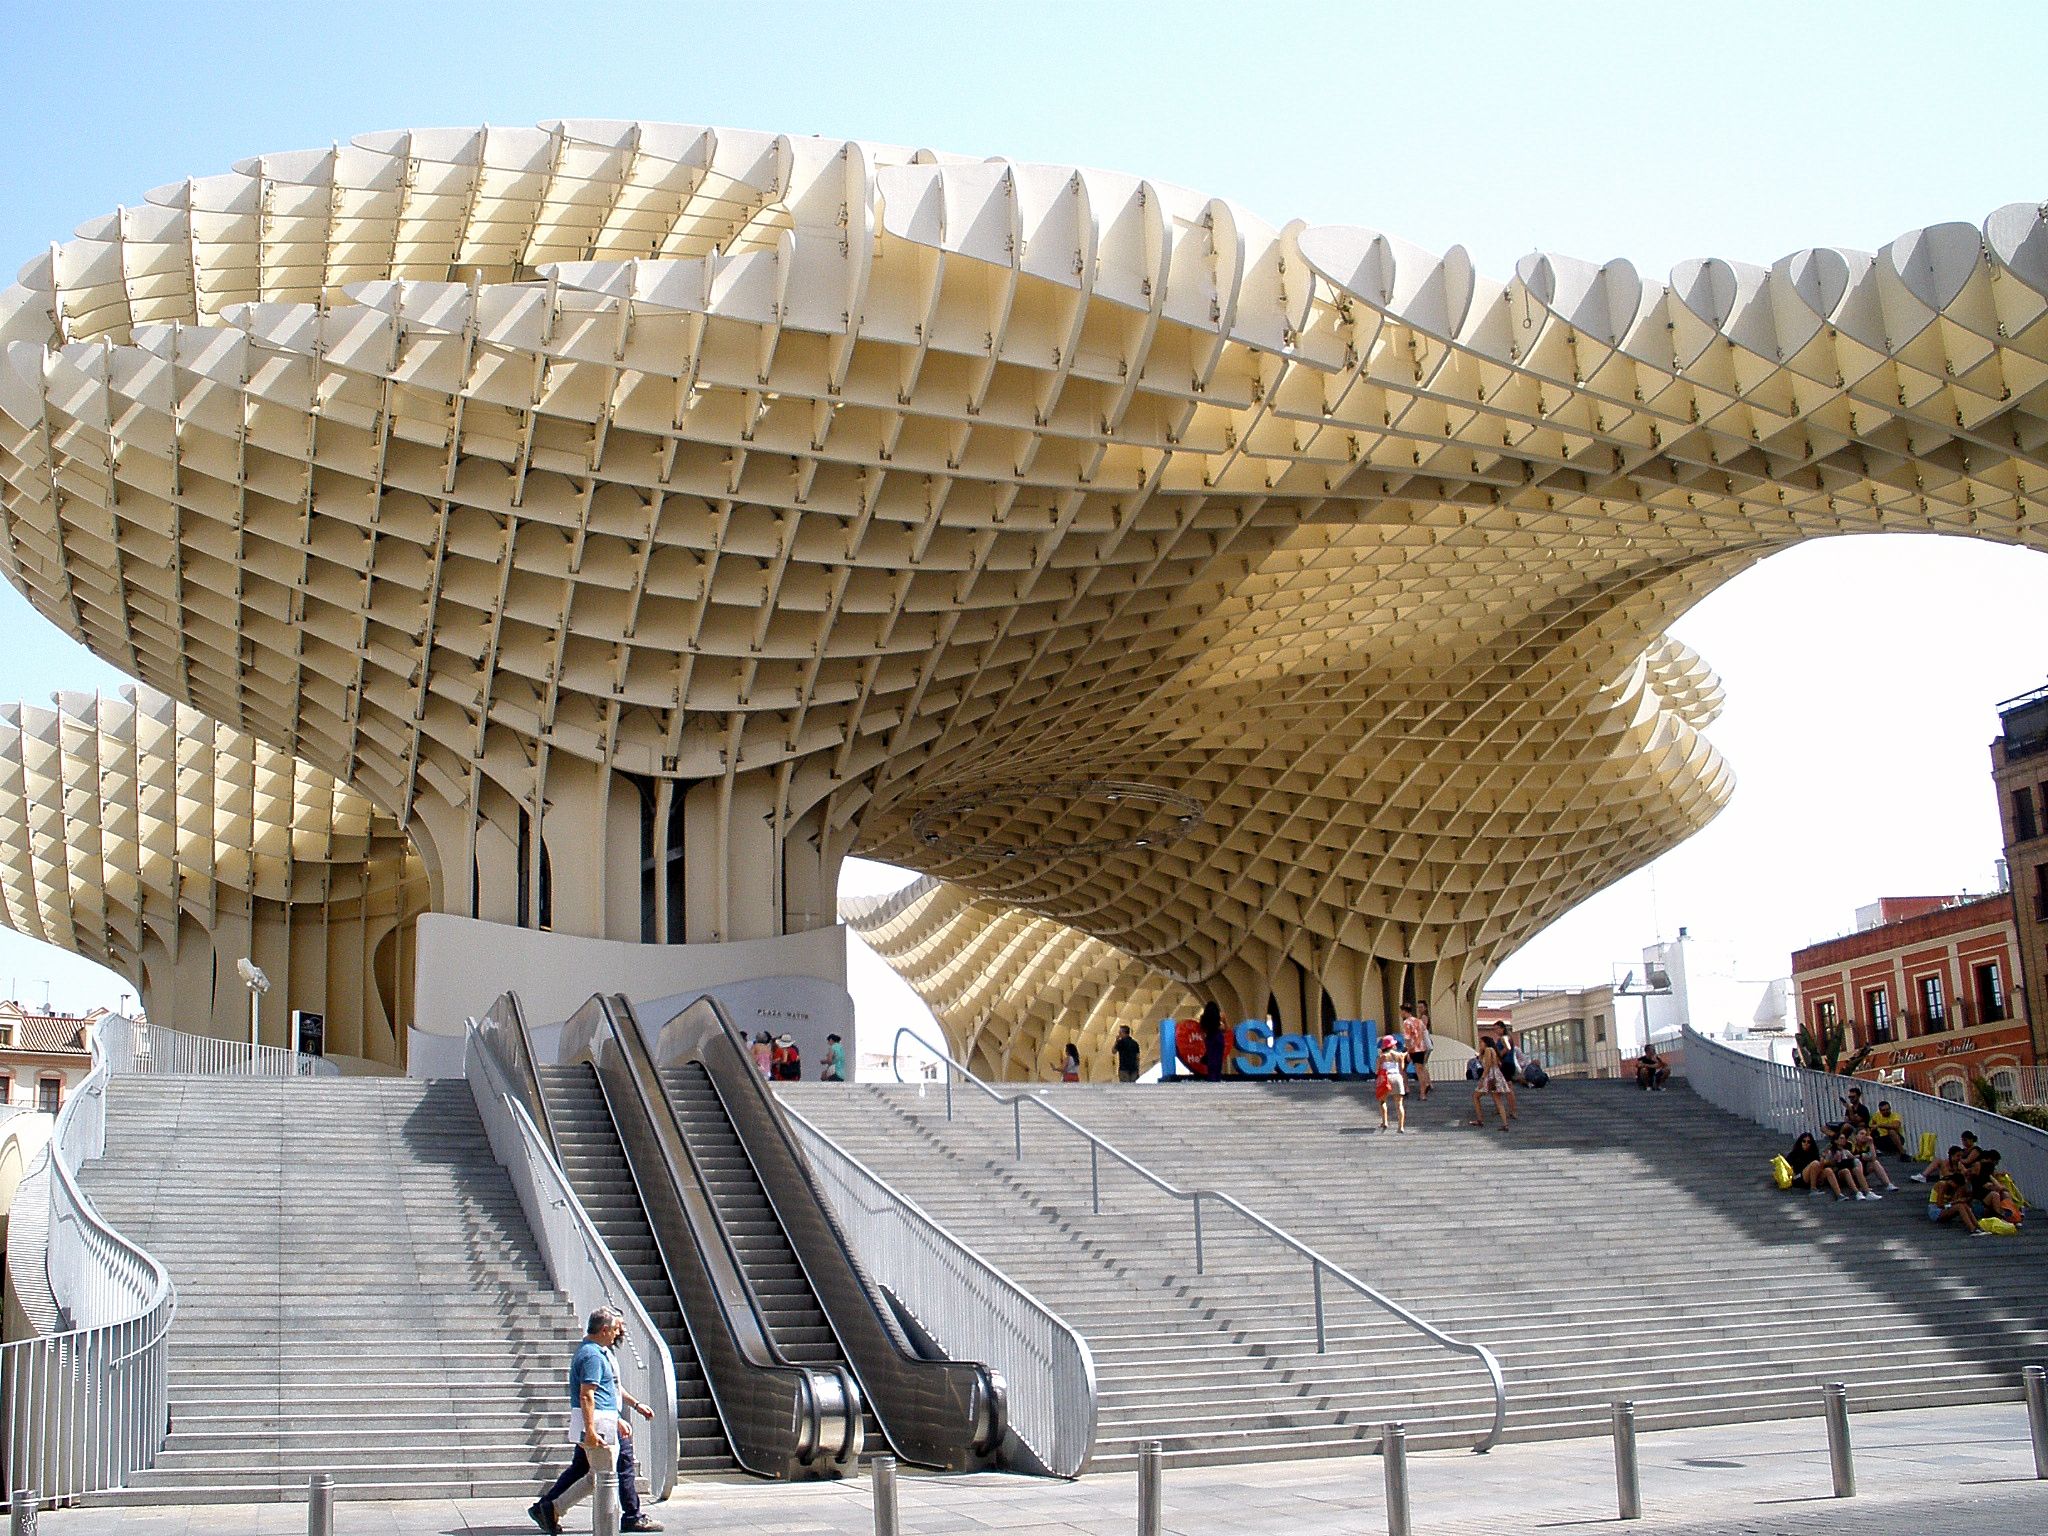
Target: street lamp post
x: 258, y: 984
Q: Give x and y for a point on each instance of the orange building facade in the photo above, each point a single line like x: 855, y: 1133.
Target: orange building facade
x: 1931, y: 988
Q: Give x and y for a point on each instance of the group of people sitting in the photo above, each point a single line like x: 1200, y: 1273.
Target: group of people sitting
x: 1966, y: 1186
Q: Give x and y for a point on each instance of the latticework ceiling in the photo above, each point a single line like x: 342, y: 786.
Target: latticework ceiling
x: 513, y: 473
x: 140, y: 834
x: 1011, y: 990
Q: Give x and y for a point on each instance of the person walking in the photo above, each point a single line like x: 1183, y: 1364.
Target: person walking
x: 1491, y: 1080
x: 1126, y: 1050
x: 1070, y: 1064
x: 1510, y: 1067
x: 597, y: 1426
x: 1416, y: 1041
x: 1393, y: 1083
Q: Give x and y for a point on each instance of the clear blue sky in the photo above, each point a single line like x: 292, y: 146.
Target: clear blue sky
x: 1656, y: 132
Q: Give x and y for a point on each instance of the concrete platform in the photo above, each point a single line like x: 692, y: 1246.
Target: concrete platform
x: 1938, y: 1472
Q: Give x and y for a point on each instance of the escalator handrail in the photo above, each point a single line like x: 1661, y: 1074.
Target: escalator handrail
x: 904, y: 1390
x: 503, y: 1029
x: 826, y: 1399
x: 613, y: 1288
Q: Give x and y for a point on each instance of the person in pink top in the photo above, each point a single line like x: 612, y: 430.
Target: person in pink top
x: 1415, y: 1039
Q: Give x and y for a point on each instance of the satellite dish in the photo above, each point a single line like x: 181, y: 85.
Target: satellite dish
x: 252, y: 975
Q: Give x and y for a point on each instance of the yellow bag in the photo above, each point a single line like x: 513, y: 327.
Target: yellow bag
x: 2004, y: 1182
x: 1927, y: 1146
x: 1781, y: 1172
x: 1997, y: 1226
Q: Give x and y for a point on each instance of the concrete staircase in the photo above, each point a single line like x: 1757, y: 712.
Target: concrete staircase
x: 358, y: 1290
x: 1615, y: 1244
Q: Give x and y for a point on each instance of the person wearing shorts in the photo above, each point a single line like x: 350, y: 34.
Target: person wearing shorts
x: 1393, y: 1083
x: 1416, y: 1042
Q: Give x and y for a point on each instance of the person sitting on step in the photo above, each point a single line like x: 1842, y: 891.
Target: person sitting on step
x: 1888, y: 1130
x: 1948, y: 1199
x: 1810, y: 1168
x: 1854, y: 1110
x: 1652, y: 1070
x: 1863, y: 1146
x: 1848, y: 1167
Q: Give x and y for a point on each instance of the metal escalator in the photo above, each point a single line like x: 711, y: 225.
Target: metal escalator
x: 820, y: 1304
x: 587, y: 1147
x: 781, y: 1417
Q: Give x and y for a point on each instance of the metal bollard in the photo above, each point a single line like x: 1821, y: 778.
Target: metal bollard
x: 320, y: 1504
x: 883, y: 1470
x: 604, y: 1502
x: 1151, y: 1456
x: 1628, y: 1482
x: 2037, y: 1415
x: 1394, y: 1459
x: 1840, y: 1459
x: 21, y: 1513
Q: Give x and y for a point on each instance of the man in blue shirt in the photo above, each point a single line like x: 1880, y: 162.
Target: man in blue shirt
x: 601, y: 1434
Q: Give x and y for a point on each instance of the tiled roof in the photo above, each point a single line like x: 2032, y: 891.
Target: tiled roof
x: 49, y: 1033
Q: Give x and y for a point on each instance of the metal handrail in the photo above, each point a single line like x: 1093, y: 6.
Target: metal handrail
x: 1793, y: 1099
x: 156, y: 1050
x: 966, y: 1305
x: 1319, y: 1265
x: 578, y: 1261
x: 87, y: 1406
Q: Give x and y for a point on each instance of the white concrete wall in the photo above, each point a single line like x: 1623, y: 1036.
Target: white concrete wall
x: 795, y: 984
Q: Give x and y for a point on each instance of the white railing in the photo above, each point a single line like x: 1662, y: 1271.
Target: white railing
x: 1320, y: 1268
x: 578, y: 1260
x: 89, y: 1405
x: 1793, y: 1099
x: 151, y: 1050
x: 969, y: 1308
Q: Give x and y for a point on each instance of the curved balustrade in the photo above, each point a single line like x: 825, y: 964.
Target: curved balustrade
x: 89, y: 1405
x: 580, y: 1264
x: 1794, y: 1099
x: 965, y: 1305
x: 1320, y: 1267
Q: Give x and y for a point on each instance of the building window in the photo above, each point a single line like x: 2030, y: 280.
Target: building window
x: 2007, y: 1082
x: 1824, y: 1016
x: 49, y: 1094
x: 1877, y: 1003
x: 1599, y: 1029
x: 1933, y: 1005
x: 1951, y: 1088
x: 2041, y: 892
x: 6, y: 1032
x: 1990, y: 993
x: 6, y: 1087
x: 2024, y: 826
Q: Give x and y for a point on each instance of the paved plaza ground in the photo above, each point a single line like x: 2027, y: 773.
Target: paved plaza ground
x: 1966, y: 1471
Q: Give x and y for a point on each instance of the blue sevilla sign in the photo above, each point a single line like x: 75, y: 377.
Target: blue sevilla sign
x: 1351, y: 1049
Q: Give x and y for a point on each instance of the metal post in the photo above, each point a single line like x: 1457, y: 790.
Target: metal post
x: 604, y: 1502
x: 1394, y: 1462
x: 1151, y: 1455
x: 1017, y: 1126
x: 320, y: 1504
x: 2037, y: 1415
x: 21, y: 1517
x: 1315, y: 1268
x: 1841, y: 1461
x: 883, y: 1471
x: 1628, y: 1482
x: 1198, y: 1231
x: 1094, y: 1179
